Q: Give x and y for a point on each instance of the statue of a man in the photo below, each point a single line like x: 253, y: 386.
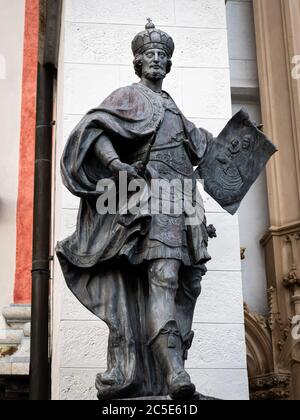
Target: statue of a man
x: 141, y: 274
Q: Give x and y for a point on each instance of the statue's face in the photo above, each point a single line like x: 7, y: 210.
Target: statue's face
x: 154, y: 64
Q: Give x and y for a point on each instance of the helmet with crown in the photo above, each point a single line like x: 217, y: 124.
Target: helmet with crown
x: 152, y: 38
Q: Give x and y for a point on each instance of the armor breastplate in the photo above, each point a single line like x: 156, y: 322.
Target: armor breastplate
x: 169, y: 156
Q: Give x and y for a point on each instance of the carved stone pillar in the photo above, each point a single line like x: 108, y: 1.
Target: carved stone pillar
x: 277, y: 25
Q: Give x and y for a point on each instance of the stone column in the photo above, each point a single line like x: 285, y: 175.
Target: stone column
x: 278, y: 42
x: 22, y: 286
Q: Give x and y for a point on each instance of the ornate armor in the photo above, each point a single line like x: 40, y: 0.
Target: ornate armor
x: 169, y: 235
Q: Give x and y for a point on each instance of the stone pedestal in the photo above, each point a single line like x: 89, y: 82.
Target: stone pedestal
x: 197, y: 397
x: 15, y: 343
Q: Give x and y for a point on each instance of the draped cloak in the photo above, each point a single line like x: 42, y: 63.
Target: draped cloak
x: 112, y: 288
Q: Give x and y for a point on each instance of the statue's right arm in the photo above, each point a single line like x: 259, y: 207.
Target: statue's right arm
x: 105, y: 151
x: 109, y: 158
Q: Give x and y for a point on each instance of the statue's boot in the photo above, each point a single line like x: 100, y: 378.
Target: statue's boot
x: 112, y: 377
x: 167, y: 346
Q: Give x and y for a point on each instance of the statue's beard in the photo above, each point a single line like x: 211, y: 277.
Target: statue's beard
x: 156, y: 74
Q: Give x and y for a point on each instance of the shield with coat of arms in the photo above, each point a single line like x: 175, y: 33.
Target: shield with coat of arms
x: 234, y: 160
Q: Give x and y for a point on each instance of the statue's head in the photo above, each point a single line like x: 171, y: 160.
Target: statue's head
x: 152, y: 50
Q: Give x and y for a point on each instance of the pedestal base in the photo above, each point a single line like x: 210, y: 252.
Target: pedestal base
x: 197, y: 397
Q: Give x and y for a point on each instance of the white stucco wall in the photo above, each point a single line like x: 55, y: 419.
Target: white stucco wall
x: 253, y: 214
x: 241, y: 42
x: 96, y: 59
x: 11, y: 56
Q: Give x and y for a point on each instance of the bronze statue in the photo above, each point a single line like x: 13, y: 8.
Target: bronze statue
x: 141, y: 273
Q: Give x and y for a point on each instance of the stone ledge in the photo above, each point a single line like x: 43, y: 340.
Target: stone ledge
x: 15, y: 341
x: 11, y: 337
x: 17, y: 369
x: 5, y: 368
x: 16, y: 316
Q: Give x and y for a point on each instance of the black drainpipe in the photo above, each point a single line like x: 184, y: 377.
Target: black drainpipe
x: 39, y: 360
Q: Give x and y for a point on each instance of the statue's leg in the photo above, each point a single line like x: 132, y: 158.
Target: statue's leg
x: 166, y: 341
x: 186, y: 298
x: 163, y: 286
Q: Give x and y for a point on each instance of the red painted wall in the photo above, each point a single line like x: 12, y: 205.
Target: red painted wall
x: 22, y: 289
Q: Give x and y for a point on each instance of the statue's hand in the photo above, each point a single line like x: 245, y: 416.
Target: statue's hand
x: 139, y: 167
x: 117, y: 166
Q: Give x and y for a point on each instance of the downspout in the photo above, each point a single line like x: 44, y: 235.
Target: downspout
x: 39, y: 360
x: 49, y: 38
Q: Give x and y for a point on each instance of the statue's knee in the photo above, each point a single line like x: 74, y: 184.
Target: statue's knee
x: 167, y: 279
x: 164, y: 275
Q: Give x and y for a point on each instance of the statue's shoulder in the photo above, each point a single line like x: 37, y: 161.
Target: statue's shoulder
x: 134, y: 101
x: 123, y: 95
